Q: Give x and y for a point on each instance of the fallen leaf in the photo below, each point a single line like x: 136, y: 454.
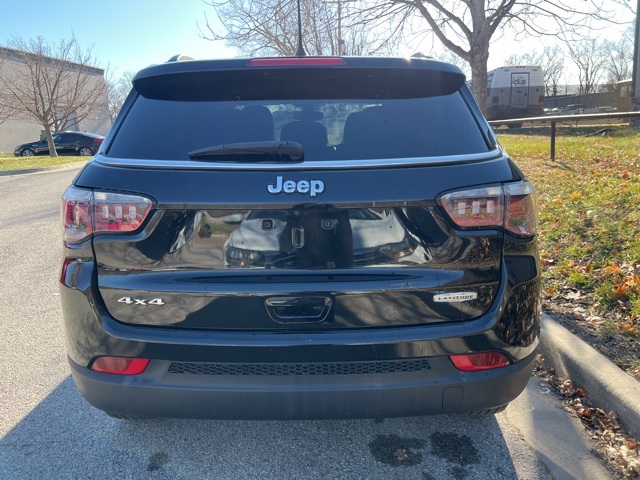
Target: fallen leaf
x: 630, y: 445
x: 621, y: 291
x: 586, y: 414
x: 567, y: 389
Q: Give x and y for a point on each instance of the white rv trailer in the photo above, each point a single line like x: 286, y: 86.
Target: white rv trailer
x: 515, y: 92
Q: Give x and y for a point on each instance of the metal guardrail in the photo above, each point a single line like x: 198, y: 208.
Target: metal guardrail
x: 553, y: 119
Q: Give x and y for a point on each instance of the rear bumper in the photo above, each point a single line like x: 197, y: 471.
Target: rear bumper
x: 511, y: 326
x: 438, y: 389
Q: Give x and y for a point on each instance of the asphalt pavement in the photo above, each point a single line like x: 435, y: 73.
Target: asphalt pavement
x: 48, y: 431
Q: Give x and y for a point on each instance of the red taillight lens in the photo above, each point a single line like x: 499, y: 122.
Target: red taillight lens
x: 115, y: 212
x: 479, y: 361
x: 521, y: 215
x: 120, y: 365
x: 76, y: 215
x: 97, y: 140
x: 65, y: 267
x: 296, y: 61
x: 481, y: 207
x: 86, y: 212
x: 512, y: 207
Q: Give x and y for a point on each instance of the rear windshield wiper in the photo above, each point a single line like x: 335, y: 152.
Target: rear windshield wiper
x: 267, y: 151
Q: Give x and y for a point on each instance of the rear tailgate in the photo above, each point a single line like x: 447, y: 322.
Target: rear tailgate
x: 351, y: 237
x: 219, y: 255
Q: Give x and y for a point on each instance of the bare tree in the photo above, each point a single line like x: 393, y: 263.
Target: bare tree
x: 551, y: 59
x: 270, y: 27
x: 590, y: 57
x: 56, y: 85
x: 528, y: 58
x: 553, y: 65
x: 467, y: 27
x: 117, y: 90
x: 619, y: 63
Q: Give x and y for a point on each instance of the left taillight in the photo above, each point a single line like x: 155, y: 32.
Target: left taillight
x: 86, y: 212
x: 76, y: 215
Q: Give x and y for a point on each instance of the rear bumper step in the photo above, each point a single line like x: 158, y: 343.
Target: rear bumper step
x: 437, y: 390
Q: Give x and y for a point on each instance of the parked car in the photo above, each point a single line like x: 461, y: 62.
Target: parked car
x: 67, y: 143
x: 573, y: 109
x: 306, y: 237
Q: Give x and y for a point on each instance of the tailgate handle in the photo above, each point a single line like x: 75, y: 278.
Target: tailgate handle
x: 298, y: 309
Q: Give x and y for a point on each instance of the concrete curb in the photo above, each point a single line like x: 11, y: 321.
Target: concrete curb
x: 54, y: 168
x: 606, y: 385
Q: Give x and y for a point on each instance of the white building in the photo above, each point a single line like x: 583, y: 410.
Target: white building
x: 15, y: 131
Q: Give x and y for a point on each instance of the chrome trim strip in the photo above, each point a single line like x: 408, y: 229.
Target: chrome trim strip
x: 456, y: 297
x: 315, y: 165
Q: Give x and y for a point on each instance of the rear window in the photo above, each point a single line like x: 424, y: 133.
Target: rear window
x: 326, y: 129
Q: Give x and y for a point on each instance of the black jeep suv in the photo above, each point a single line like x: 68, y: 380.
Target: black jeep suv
x: 307, y: 237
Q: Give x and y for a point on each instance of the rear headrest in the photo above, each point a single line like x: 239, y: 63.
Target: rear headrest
x: 310, y: 135
x: 366, y: 134
x: 257, y: 121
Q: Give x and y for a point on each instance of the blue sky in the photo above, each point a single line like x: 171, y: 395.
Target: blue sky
x: 127, y: 35
x: 130, y: 35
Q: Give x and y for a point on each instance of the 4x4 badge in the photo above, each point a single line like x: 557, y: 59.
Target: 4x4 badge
x: 312, y: 187
x: 141, y: 301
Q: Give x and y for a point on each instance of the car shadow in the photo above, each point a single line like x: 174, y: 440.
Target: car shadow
x: 64, y: 437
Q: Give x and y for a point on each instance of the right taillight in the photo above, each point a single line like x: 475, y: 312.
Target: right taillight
x: 86, y: 212
x: 511, y: 206
x: 473, y: 362
x: 521, y: 209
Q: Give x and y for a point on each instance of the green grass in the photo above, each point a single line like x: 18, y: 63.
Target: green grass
x: 589, y: 219
x: 9, y: 162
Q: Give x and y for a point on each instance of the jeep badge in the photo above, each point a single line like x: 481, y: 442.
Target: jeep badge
x: 312, y: 187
